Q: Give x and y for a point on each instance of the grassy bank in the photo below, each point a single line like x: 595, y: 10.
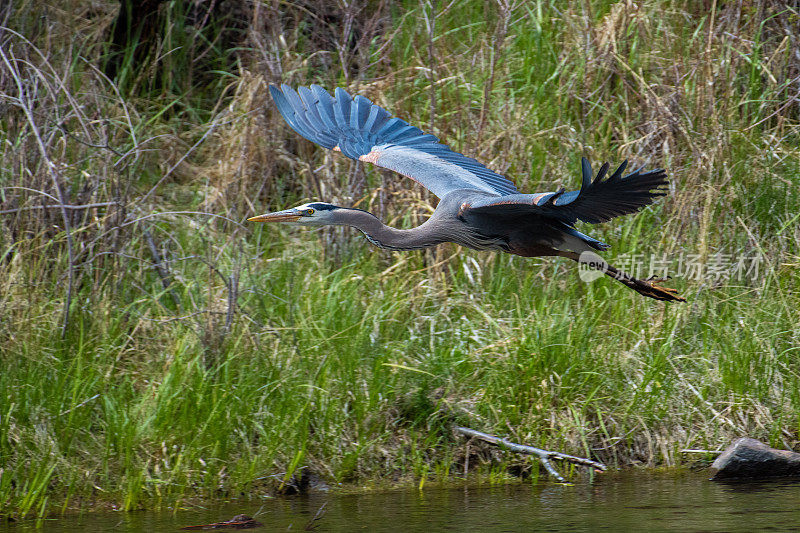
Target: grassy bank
x: 155, y: 347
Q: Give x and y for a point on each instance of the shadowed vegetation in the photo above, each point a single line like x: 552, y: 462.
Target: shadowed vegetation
x: 155, y: 347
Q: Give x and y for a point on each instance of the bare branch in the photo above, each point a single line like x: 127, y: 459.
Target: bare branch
x: 544, y: 455
x: 161, y: 269
x: 23, y: 103
x: 58, y: 206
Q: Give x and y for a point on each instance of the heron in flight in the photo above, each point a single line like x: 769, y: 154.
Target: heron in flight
x: 478, y: 208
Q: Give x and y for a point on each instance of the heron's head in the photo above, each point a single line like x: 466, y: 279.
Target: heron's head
x: 311, y: 214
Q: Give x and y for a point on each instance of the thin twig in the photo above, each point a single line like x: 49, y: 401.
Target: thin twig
x: 62, y: 413
x: 171, y: 169
x: 58, y: 206
x: 692, y: 450
x: 496, y: 51
x: 151, y: 215
x: 161, y: 269
x: 544, y: 455
x: 233, y: 294
x: 312, y: 525
x: 22, y: 102
x: 430, y: 23
x: 77, y: 139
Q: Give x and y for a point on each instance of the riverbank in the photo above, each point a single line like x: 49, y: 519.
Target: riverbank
x: 624, y: 502
x: 157, y: 348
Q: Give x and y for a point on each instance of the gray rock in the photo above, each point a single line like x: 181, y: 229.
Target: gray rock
x: 751, y: 459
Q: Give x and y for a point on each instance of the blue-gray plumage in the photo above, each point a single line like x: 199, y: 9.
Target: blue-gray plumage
x: 479, y: 209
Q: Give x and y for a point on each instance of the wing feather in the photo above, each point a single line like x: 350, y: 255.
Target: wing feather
x: 365, y: 131
x: 597, y: 201
x: 315, y: 121
x: 324, y: 108
x: 377, y: 118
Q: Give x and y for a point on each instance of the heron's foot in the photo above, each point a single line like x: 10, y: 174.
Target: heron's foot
x: 651, y: 289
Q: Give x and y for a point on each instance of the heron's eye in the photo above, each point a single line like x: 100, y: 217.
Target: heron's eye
x: 309, y: 212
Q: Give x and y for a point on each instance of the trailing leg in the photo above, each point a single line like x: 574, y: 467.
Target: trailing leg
x: 646, y: 287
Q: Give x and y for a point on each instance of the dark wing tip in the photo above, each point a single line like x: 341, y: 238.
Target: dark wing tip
x: 602, y: 172
x: 586, y: 173
x: 620, y: 169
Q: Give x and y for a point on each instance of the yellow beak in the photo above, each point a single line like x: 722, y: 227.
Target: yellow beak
x: 289, y: 215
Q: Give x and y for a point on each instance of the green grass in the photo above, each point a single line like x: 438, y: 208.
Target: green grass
x: 278, y: 350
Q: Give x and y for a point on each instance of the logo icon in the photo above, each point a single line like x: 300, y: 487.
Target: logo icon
x: 591, y: 266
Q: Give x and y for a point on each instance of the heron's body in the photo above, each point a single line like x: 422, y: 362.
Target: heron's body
x: 530, y: 236
x: 478, y: 208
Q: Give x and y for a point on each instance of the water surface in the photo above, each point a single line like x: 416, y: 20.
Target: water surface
x: 612, y: 503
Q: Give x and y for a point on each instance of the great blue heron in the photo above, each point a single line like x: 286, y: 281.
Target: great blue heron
x: 478, y: 209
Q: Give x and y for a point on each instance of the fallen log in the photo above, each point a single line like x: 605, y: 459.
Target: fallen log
x: 544, y: 455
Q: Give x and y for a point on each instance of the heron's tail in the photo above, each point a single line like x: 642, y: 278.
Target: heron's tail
x: 590, y: 241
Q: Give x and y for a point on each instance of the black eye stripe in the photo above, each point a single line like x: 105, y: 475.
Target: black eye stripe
x: 322, y: 207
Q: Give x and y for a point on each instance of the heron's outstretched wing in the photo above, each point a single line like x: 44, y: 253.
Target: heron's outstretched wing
x: 597, y: 201
x: 365, y: 131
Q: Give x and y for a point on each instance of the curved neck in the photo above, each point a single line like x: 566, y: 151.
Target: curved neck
x: 381, y: 235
